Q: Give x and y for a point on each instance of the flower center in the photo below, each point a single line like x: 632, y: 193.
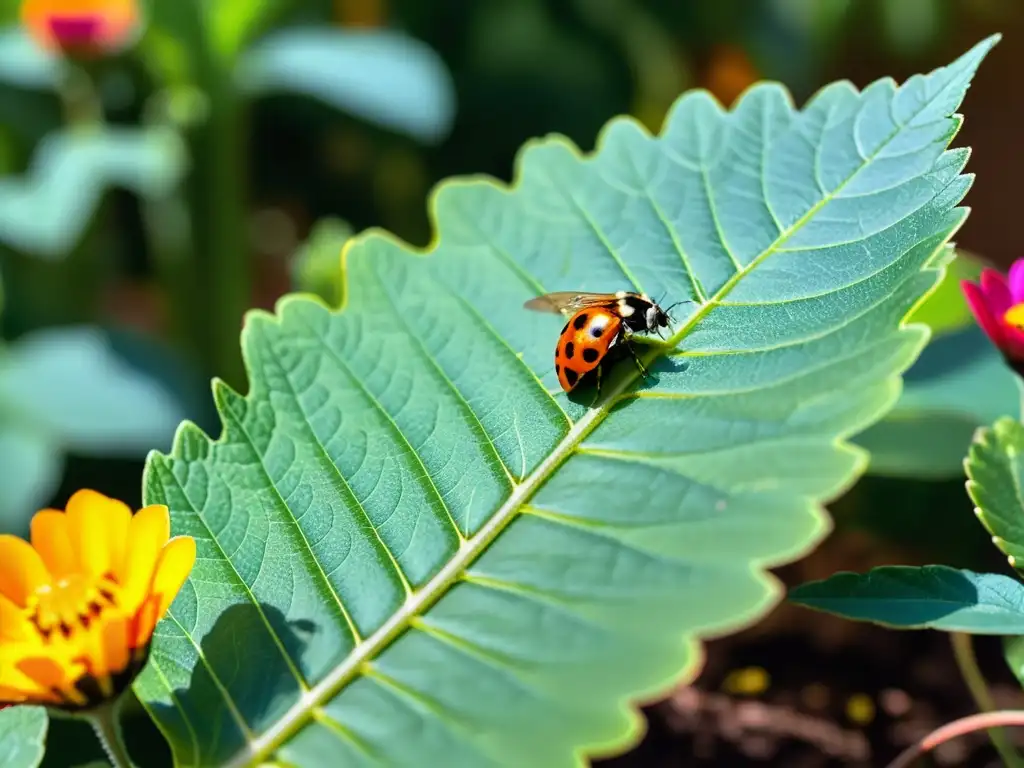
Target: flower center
x: 77, y: 30
x: 70, y: 605
x: 1015, y: 316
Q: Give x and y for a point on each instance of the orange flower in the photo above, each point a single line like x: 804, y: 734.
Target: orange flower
x: 730, y: 73
x: 78, y: 606
x: 81, y: 27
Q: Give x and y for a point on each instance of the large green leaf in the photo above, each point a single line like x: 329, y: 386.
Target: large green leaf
x: 933, y: 596
x: 415, y: 550
x: 995, y: 476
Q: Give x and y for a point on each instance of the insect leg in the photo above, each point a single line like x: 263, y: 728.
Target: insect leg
x: 636, y: 359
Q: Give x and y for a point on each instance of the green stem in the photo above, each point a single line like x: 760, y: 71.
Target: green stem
x: 1020, y: 387
x: 218, y: 213
x: 209, y: 280
x: 104, y: 721
x: 963, y: 652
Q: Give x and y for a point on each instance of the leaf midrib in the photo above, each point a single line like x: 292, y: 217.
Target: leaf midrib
x: 296, y: 716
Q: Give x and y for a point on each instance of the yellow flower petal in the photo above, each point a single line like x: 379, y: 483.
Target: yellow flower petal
x: 115, y: 645
x: 119, y: 518
x: 15, y: 685
x: 148, y: 532
x: 175, y: 564
x: 50, y: 539
x: 97, y: 528
x: 176, y: 561
x: 145, y: 622
x: 22, y: 571
x: 14, y: 627
x: 52, y: 675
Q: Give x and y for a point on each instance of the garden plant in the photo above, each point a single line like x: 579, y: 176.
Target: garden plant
x: 400, y: 541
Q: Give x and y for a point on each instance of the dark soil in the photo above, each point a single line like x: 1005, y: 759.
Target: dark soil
x: 853, y: 706
x: 807, y: 690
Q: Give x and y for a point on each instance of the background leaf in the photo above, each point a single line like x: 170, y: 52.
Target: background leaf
x: 30, y: 470
x: 45, y: 211
x: 1013, y: 653
x: 959, y: 383
x: 995, y: 475
x: 22, y: 736
x: 933, y: 597
x: 69, y: 384
x: 316, y: 267
x: 232, y: 23
x: 65, y: 390
x: 25, y: 64
x: 384, y: 77
x: 422, y: 540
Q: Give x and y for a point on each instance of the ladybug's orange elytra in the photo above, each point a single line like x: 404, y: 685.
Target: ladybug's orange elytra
x: 600, y: 322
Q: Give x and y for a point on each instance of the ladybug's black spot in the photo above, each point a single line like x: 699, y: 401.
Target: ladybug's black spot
x: 581, y: 320
x: 571, y: 376
x: 596, y: 331
x: 570, y: 350
x: 590, y: 355
x: 558, y: 369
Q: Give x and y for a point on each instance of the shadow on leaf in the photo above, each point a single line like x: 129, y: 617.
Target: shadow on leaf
x: 252, y: 679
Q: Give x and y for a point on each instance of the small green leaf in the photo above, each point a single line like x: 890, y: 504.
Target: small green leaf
x: 945, y: 310
x: 233, y: 23
x: 384, y: 77
x: 45, y: 211
x: 67, y: 384
x: 1013, y: 653
x: 22, y: 736
x: 930, y: 597
x: 995, y: 471
x: 316, y: 267
x: 421, y: 539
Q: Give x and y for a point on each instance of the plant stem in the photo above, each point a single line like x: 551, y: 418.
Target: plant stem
x: 963, y: 652
x: 104, y: 721
x: 957, y: 728
x: 218, y: 212
x: 1020, y: 388
x: 211, y: 290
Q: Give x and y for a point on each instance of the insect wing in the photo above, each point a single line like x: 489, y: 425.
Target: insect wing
x: 568, y: 301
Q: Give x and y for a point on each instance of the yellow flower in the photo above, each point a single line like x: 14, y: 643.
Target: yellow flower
x: 78, y: 606
x: 81, y: 27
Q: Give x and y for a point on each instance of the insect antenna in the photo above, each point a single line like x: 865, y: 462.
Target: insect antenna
x: 668, y: 310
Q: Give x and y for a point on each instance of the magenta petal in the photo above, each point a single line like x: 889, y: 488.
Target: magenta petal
x: 1013, y: 345
x: 1017, y: 281
x: 77, y: 30
x: 978, y: 302
x: 997, y: 292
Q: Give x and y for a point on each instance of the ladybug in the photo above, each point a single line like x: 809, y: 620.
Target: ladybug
x: 598, y: 329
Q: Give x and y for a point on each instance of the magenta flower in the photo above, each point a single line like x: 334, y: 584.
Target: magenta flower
x: 998, y: 306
